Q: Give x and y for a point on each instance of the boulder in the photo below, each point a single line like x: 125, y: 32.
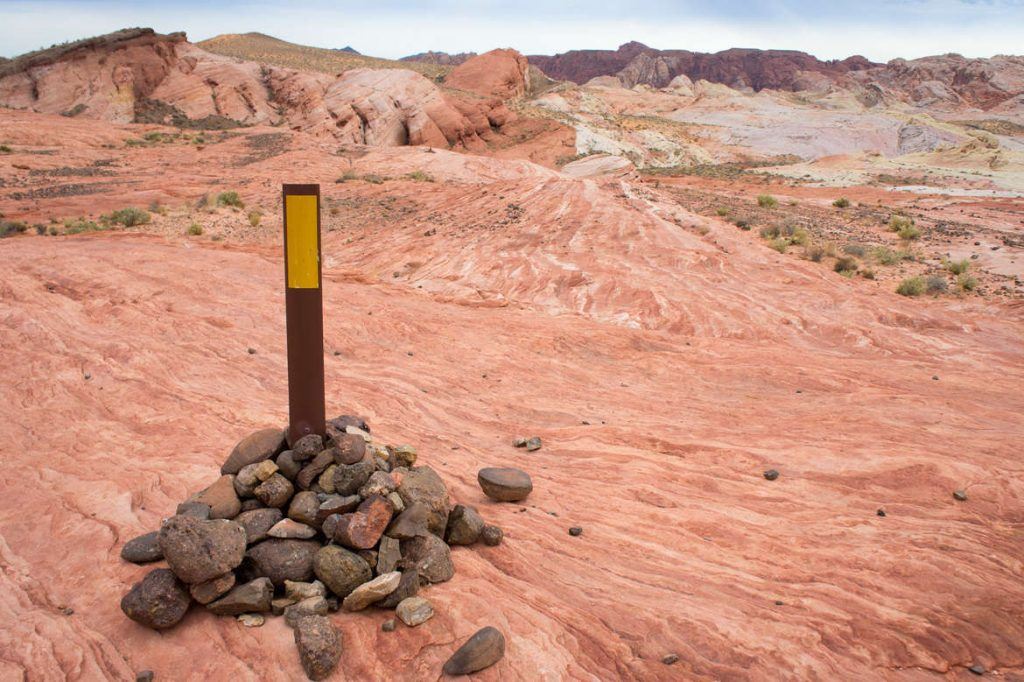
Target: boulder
x: 287, y: 466
x: 304, y: 507
x: 410, y: 523
x: 362, y: 529
x: 158, y: 601
x: 422, y: 484
x: 221, y: 498
x: 198, y: 550
x: 254, y: 448
x: 349, y: 448
x: 505, y: 484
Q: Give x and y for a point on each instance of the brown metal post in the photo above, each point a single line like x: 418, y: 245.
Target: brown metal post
x: 304, y: 311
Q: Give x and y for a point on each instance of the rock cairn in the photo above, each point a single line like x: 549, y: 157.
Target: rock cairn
x: 306, y: 528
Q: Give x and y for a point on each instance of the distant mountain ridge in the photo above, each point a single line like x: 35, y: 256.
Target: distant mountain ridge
x: 439, y: 58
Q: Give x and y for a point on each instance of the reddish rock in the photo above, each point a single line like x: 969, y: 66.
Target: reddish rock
x: 362, y: 529
x: 254, y: 448
x: 498, y: 73
x: 349, y: 448
x: 221, y: 498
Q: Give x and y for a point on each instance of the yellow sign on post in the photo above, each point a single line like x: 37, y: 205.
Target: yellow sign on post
x: 302, y: 247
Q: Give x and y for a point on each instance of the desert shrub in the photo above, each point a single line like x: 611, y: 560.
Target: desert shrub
x: 857, y: 250
x: 770, y: 232
x: 841, y: 202
x: 814, y: 252
x: 9, y: 227
x: 780, y: 244
x: 767, y: 201
x: 799, y: 237
x: 912, y: 286
x: 129, y: 217
x: 898, y: 222
x: 722, y: 211
x: 349, y: 175
x: 966, y: 282
x: 845, y: 264
x: 79, y: 225
x: 909, y: 232
x: 420, y: 176
x: 867, y: 273
x: 195, y: 229
x: 958, y: 267
x: 254, y: 218
x: 230, y: 199
x: 830, y: 249
x: 4, y: 149
x: 40, y: 229
x: 373, y: 179
x: 936, y: 284
x: 743, y: 225
x: 886, y: 256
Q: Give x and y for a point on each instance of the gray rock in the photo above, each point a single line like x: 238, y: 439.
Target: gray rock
x: 341, y: 570
x: 960, y: 495
x: 388, y: 625
x: 198, y: 550
x: 281, y: 560
x: 251, y: 620
x: 396, y: 501
x: 410, y: 523
x: 206, y: 592
x: 286, y: 528
x: 254, y: 448
x: 287, y: 466
x: 422, y: 484
x: 252, y: 597
x: 414, y: 611
x: 771, y: 474
x: 258, y: 522
x: 246, y: 480
x: 430, y: 556
x: 143, y: 549
x: 319, y: 646
x: 670, y: 659
x: 312, y: 606
x: 144, y: 676
x: 276, y: 491
x: 480, y: 651
x: 196, y: 510
x: 505, y: 484
x: 372, y: 591
x: 532, y: 444
x: 348, y: 479
x: 575, y: 531
x: 464, y: 526
x: 158, y: 601
x: 492, y: 536
x: 408, y: 586
x: 379, y: 483
x: 389, y: 553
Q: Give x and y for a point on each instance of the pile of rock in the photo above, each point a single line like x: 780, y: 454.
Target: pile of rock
x: 304, y: 528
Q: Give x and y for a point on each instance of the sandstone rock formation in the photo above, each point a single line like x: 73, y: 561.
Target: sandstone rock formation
x: 439, y: 58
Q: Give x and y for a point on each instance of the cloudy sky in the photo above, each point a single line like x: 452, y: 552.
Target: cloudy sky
x: 878, y: 29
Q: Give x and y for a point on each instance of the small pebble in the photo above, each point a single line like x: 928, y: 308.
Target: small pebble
x: 880, y: 512
x: 575, y: 531
x: 251, y: 620
x: 87, y: 376
x: 670, y: 659
x: 771, y: 474
x: 960, y: 495
x: 977, y: 669
x: 252, y: 351
x: 388, y: 625
x: 144, y: 676
x: 779, y: 602
x: 935, y: 377
x: 67, y: 610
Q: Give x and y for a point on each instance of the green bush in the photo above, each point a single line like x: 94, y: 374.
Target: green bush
x: 904, y: 227
x: 958, y: 267
x: 857, y: 250
x: 9, y: 227
x: 909, y: 233
x: 886, y: 256
x: 420, y: 176
x: 195, y: 229
x: 966, y: 282
x: 814, y: 253
x: 841, y: 202
x: 779, y: 244
x: 799, y: 237
x: 80, y: 225
x: 767, y: 201
x: 349, y: 175
x: 254, y: 218
x: 936, y: 284
x: 912, y: 286
x: 230, y: 199
x: 845, y: 264
x: 722, y: 212
x: 743, y: 225
x: 4, y: 149
x: 373, y: 179
x: 867, y: 273
x: 129, y: 217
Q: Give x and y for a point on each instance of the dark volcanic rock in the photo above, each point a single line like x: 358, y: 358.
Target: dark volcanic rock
x: 319, y: 646
x: 430, y: 556
x: 480, y: 651
x: 276, y: 491
x: 282, y: 560
x: 464, y: 526
x: 158, y: 601
x: 362, y: 529
x: 341, y: 570
x: 204, y: 593
x: 198, y: 550
x: 255, y: 447
x: 422, y: 484
x: 143, y: 549
x: 310, y: 606
x: 349, y: 478
x: 492, y: 536
x: 307, y: 447
x: 410, y: 523
x: 349, y: 448
x: 252, y: 597
x: 505, y: 484
x: 196, y: 510
x: 257, y: 522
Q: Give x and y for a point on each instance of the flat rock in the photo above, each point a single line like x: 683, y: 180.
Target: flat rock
x: 464, y: 526
x: 297, y: 591
x: 341, y: 570
x: 348, y: 479
x: 319, y: 645
x: 410, y: 523
x: 505, y: 484
x: 221, y: 498
x: 414, y: 611
x: 281, y: 559
x: 480, y: 651
x: 430, y: 556
x: 532, y: 444
x: 158, y: 601
x: 389, y: 553
x: 363, y: 528
x: 276, y: 491
x: 143, y: 549
x: 408, y: 586
x: 251, y: 620
x: 336, y: 504
x: 311, y: 606
x: 287, y: 528
x: 422, y: 484
x: 254, y: 448
x: 252, y: 597
x: 372, y: 591
x: 194, y: 509
x: 206, y: 592
x: 258, y: 522
x: 198, y: 550
x: 349, y: 448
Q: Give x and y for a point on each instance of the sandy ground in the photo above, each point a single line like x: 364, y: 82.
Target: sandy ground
x: 697, y: 356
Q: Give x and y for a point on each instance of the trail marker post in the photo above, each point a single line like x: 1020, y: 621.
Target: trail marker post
x: 304, y: 311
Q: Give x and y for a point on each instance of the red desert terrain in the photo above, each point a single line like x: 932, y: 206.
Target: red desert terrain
x: 666, y: 357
